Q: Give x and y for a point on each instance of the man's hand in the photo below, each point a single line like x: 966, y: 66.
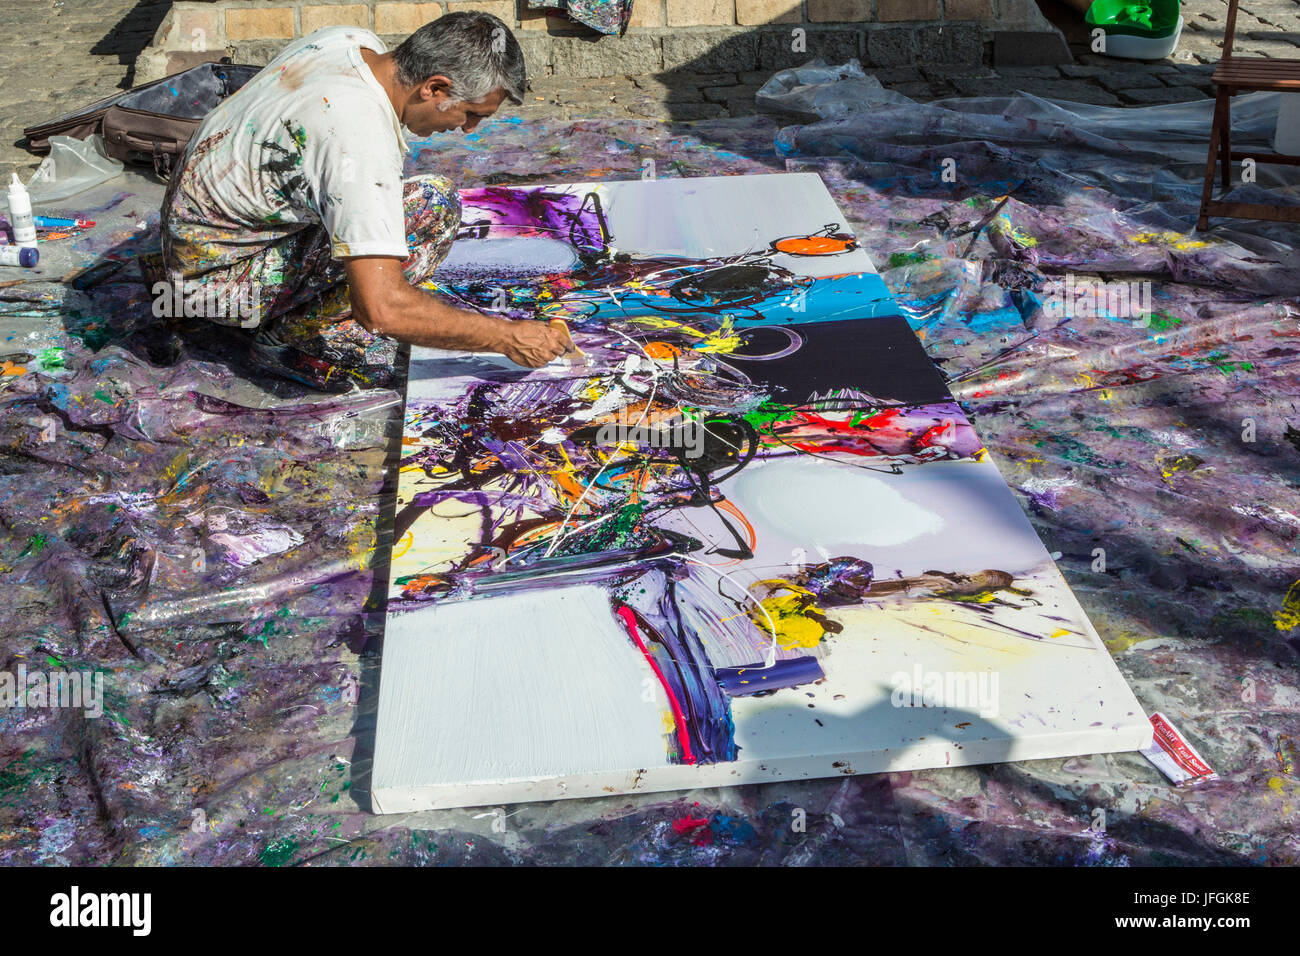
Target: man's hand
x: 533, y: 344
x: 386, y: 304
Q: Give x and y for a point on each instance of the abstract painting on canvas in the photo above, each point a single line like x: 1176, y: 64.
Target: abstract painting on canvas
x: 747, y: 535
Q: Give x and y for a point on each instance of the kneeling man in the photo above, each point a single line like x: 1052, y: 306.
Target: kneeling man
x: 290, y: 202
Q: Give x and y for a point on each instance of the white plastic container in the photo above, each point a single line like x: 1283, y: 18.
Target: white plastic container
x: 24, y: 256
x: 1143, y: 48
x: 20, y: 214
x: 1287, y: 138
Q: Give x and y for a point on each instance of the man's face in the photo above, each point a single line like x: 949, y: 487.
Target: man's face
x: 431, y: 109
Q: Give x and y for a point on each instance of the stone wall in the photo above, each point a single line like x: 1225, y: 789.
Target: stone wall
x: 696, y: 36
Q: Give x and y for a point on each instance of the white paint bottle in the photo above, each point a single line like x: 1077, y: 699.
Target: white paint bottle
x: 20, y: 214
x: 25, y: 256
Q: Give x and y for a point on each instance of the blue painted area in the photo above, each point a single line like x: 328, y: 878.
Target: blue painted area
x: 857, y: 296
x: 732, y: 829
x: 1007, y: 317
x: 925, y: 311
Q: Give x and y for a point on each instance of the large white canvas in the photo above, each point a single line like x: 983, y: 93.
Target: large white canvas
x: 495, y: 694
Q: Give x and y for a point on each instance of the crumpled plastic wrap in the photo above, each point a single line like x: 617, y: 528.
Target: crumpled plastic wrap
x: 210, y: 542
x: 822, y: 91
x: 73, y: 166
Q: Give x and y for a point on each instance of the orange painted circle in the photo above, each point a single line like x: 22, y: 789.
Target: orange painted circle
x: 662, y: 351
x: 812, y: 245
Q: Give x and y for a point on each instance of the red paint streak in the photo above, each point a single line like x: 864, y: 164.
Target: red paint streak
x: 702, y: 833
x: 942, y: 434
x: 883, y: 419
x: 688, y: 823
x: 679, y: 718
x: 889, y: 418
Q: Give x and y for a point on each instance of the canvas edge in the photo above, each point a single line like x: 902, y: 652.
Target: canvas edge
x: 1125, y: 738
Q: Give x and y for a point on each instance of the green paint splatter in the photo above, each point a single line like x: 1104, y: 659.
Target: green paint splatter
x: 897, y: 259
x: 768, y: 414
x: 624, y: 530
x: 93, y: 334
x: 1076, y: 451
x: 1223, y: 363
x: 1163, y: 321
x: 53, y: 357
x: 35, y: 545
x: 280, y: 852
x: 1242, y: 619
x: 17, y: 774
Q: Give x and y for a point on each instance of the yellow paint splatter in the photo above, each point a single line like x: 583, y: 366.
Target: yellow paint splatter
x: 793, y: 610
x: 722, y: 340
x: 1004, y: 225
x: 1288, y: 619
x: 1172, y: 464
x: 1167, y: 237
x: 176, y: 466
x: 1126, y: 640
x: 404, y: 545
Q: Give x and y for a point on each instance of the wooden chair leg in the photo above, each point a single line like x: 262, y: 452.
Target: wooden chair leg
x: 1225, y: 143
x: 1220, y: 109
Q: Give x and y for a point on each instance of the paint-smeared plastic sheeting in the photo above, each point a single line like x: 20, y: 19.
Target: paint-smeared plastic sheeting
x: 1156, y: 454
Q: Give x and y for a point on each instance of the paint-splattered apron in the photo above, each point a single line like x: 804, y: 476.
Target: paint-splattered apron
x: 306, y: 331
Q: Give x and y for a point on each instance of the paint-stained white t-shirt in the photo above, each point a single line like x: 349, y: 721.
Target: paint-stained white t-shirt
x: 312, y: 139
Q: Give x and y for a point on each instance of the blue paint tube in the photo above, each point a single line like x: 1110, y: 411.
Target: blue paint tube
x: 24, y: 256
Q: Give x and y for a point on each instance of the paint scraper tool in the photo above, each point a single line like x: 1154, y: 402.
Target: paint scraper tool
x: 576, y: 356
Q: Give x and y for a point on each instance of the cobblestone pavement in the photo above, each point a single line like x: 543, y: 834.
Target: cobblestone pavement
x: 56, y: 55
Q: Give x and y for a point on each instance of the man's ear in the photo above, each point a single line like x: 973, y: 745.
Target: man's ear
x: 434, y: 85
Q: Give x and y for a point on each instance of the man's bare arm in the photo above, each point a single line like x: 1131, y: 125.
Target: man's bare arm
x: 386, y: 304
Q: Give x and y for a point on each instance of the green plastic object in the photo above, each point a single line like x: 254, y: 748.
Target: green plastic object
x: 1135, y: 18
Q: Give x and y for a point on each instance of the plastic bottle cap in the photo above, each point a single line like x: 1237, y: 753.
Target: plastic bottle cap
x: 28, y: 257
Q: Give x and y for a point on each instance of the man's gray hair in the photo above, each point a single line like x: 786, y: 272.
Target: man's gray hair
x: 475, y: 50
